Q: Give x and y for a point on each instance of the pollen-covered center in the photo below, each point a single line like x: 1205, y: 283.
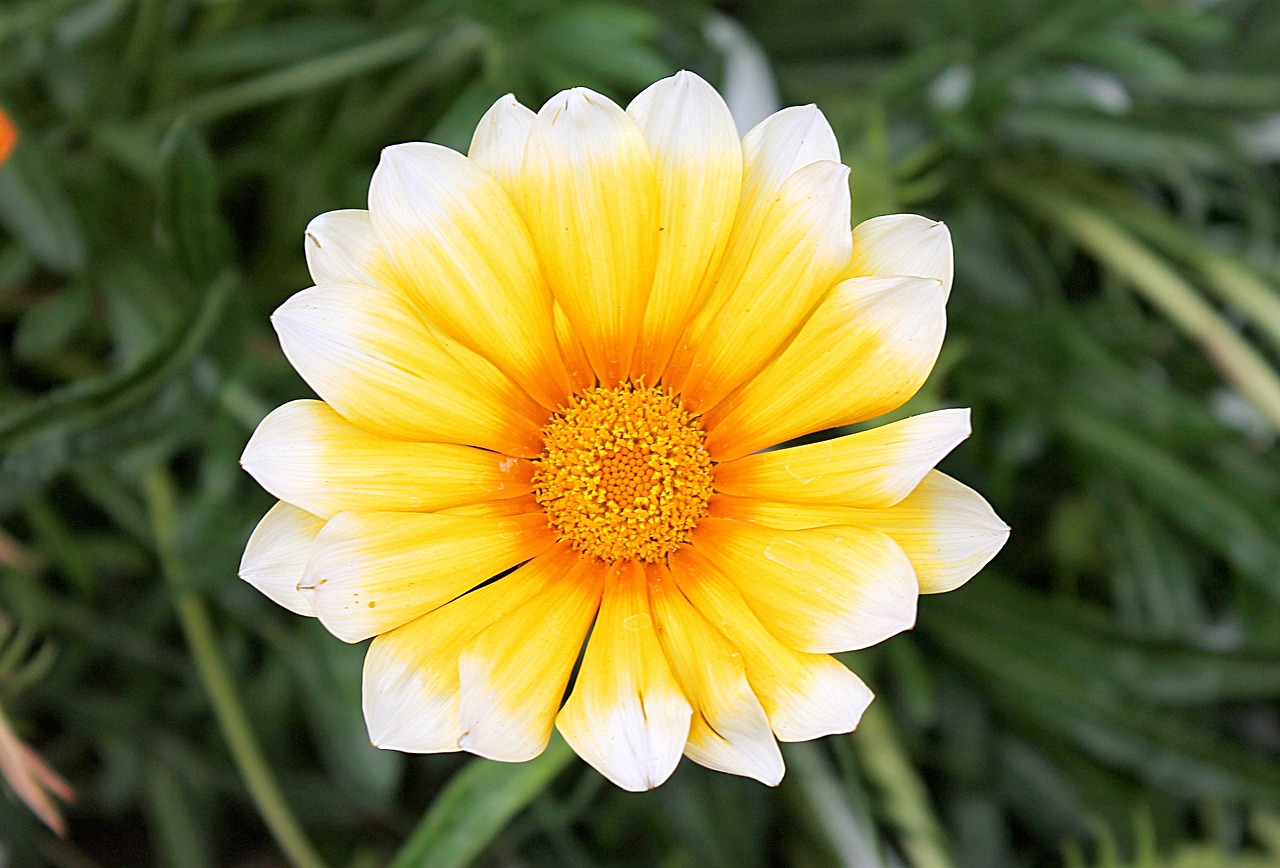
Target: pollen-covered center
x: 624, y: 472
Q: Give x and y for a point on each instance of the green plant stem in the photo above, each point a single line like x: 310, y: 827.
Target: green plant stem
x: 1165, y: 289
x: 905, y: 800
x: 197, y: 628
x: 1232, y: 280
x: 818, y: 797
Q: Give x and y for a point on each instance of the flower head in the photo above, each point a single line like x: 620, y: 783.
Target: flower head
x: 556, y: 361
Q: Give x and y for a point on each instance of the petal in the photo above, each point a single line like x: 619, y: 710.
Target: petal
x: 802, y: 249
x: 575, y: 358
x: 865, y: 350
x: 307, y: 454
x: 805, y: 695
x: 903, y: 244
x: 497, y: 146
x: 871, y: 469
x: 772, y: 152
x: 781, y: 145
x: 370, y: 572
x: 626, y: 715
x: 515, y: 672
x: 730, y: 731
x: 591, y: 204
x: 525, y: 504
x: 366, y: 352
x: 411, y: 684
x: 464, y: 257
x: 341, y: 248
x: 948, y: 531
x: 698, y: 159
x: 822, y: 590
x: 276, y: 555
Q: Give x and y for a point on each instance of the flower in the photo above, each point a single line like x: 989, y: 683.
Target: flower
x: 556, y: 361
x: 32, y: 779
x: 8, y: 136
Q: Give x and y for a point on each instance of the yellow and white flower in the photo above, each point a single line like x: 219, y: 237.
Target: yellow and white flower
x: 556, y: 361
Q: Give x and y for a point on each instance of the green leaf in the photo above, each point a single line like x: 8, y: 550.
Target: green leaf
x: 40, y: 438
x: 190, y: 221
x: 35, y: 209
x: 476, y: 805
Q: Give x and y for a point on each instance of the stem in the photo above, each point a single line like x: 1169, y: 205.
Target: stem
x: 198, y: 631
x: 906, y: 802
x: 1165, y: 289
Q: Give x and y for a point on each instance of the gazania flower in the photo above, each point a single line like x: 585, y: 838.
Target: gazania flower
x: 548, y: 370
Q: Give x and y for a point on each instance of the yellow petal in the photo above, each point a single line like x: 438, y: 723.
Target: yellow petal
x: 411, y: 685
x: 902, y: 244
x: 803, y: 247
x: 948, y: 531
x: 515, y: 672
x: 370, y: 572
x: 497, y: 146
x: 591, y: 204
x: 730, y: 731
x: 870, y: 469
x: 308, y: 455
x: 777, y: 148
x: 341, y: 248
x: 277, y: 554
x: 626, y: 715
x: 368, y: 354
x: 822, y: 590
x: 575, y: 358
x: 806, y: 696
x: 525, y: 504
x: 864, y: 351
x: 463, y: 255
x: 698, y: 159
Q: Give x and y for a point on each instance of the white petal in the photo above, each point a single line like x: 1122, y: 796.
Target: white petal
x: 903, y: 244
x: 730, y: 730
x: 870, y: 469
x: 514, y: 674
x: 806, y: 696
x: 626, y: 715
x: 698, y: 159
x: 463, y: 255
x: 498, y: 143
x: 784, y: 143
x: 341, y: 248
x: 411, y: 686
x: 368, y: 354
x: 591, y: 204
x: 823, y: 590
x: 370, y: 572
x: 305, y: 453
x: 277, y: 554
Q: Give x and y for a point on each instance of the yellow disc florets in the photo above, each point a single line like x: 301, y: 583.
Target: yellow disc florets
x: 624, y: 472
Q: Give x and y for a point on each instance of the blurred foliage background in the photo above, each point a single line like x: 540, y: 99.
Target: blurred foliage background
x: 1104, y: 694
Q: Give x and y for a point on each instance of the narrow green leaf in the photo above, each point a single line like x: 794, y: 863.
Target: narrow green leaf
x: 35, y: 209
x: 476, y: 805
x: 190, y: 221
x: 822, y: 804
x: 40, y: 438
x: 307, y: 75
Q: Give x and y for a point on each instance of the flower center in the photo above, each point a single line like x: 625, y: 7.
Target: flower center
x: 624, y: 472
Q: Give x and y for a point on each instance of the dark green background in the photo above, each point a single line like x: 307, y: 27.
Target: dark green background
x: 1104, y: 694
